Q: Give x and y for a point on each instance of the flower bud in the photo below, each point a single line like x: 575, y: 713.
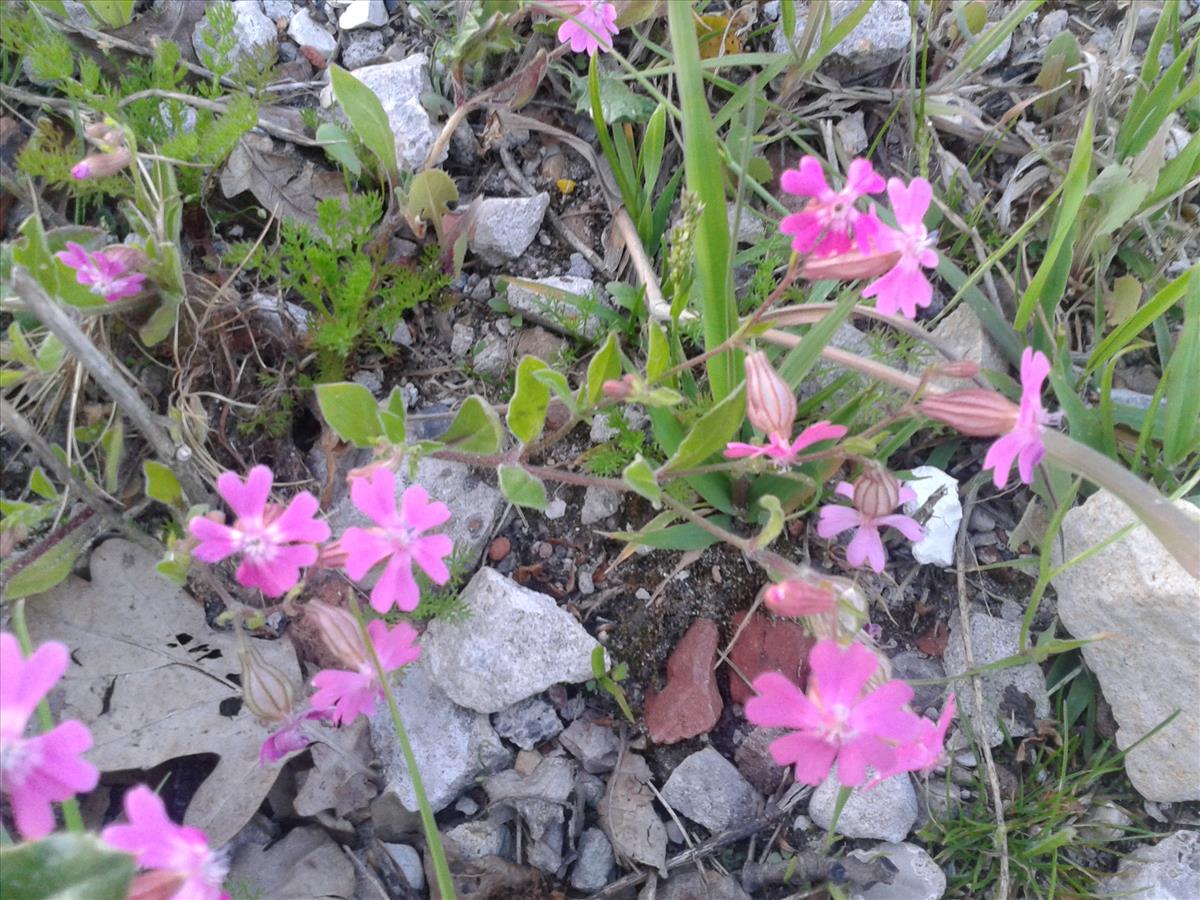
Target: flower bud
x: 339, y: 632
x: 793, y: 598
x: 131, y: 258
x: 963, y: 368
x: 770, y: 402
x: 101, y: 165
x: 619, y: 389
x: 876, y: 492
x: 266, y: 691
x: 976, y: 412
x: 848, y: 266
x: 105, y: 135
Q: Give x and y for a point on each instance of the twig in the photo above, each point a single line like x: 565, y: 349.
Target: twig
x: 981, y: 726
x: 55, y: 318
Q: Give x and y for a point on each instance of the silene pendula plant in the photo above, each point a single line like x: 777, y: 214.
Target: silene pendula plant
x: 588, y: 25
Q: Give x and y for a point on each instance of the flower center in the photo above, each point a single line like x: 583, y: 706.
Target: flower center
x: 19, y: 757
x: 402, y: 538
x: 258, y: 541
x: 837, y: 723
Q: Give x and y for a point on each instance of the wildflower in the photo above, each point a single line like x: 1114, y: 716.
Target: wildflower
x: 1023, y: 442
x: 780, y: 449
x: 904, y: 287
x: 175, y: 850
x: 834, y: 720
x: 770, y: 402
x: 107, y: 275
x: 925, y: 751
x: 339, y: 632
x: 353, y: 693
x: 977, y: 412
x: 830, y: 223
x: 101, y: 165
x: 290, y: 735
x: 591, y: 26
x: 866, y: 545
x: 275, y: 542
x: 397, y: 537
x: 45, y: 768
x: 794, y: 598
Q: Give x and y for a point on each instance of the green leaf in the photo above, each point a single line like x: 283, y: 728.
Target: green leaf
x: 711, y: 433
x: 557, y: 382
x: 651, y: 154
x: 685, y: 536
x: 338, y: 147
x: 774, y: 523
x: 19, y: 347
x: 65, y: 867
x: 110, y: 13
x: 1061, y: 56
x: 113, y: 442
x: 1146, y: 114
x: 161, y: 483
x: 604, y: 365
x: 36, y: 253
x: 1118, y: 195
x: 1122, y: 302
x: 639, y: 477
x: 520, y: 488
x: 430, y: 194
x: 618, y: 102
x: 476, y: 428
x: 46, y: 571
x: 367, y: 117
x: 350, y: 410
x: 41, y: 485
x: 1183, y: 386
x: 599, y: 669
x: 527, y: 409
x: 51, y: 354
x: 1119, y: 338
x: 658, y: 353
x: 393, y: 417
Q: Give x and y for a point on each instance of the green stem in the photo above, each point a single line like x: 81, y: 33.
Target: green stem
x: 843, y: 795
x: 432, y: 837
x: 70, y: 806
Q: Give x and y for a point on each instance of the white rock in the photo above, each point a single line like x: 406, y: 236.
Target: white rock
x: 1168, y: 870
x: 992, y: 640
x: 598, y: 503
x: 402, y: 334
x: 515, y: 644
x: 462, y: 339
x: 880, y: 39
x: 483, y: 837
x: 251, y: 30
x: 941, y: 531
x: 556, y: 313
x: 506, y: 226
x: 363, y: 14
x: 750, y: 227
x: 451, y: 745
x: 492, y: 357
x: 709, y: 790
x: 278, y: 9
x: 1052, y: 24
x: 556, y: 508
x: 307, y: 33
x: 1134, y: 592
x: 408, y: 860
x: 917, y: 876
x: 964, y: 336
x: 362, y: 48
x: 886, y: 812
x: 527, y: 723
x: 594, y: 866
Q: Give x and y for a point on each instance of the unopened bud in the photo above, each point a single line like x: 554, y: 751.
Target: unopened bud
x: 105, y: 135
x: 849, y: 266
x: 794, y: 598
x: 770, y: 402
x: 962, y: 368
x: 876, y: 492
x: 266, y: 691
x: 158, y: 884
x: 339, y: 632
x: 621, y: 389
x: 976, y: 412
x: 101, y: 165
x: 131, y: 258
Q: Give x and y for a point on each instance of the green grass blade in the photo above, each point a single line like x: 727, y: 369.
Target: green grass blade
x: 1182, y: 436
x: 1141, y: 320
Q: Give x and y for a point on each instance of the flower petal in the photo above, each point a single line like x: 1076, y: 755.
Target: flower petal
x: 866, y: 545
x: 811, y: 756
x: 375, y: 496
x: 777, y: 703
x: 806, y: 181
x: 834, y: 518
x: 298, y: 522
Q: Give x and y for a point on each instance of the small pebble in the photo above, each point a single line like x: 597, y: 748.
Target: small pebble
x: 556, y: 509
x: 545, y: 550
x: 642, y: 594
x: 586, y: 585
x: 499, y: 549
x: 466, y: 806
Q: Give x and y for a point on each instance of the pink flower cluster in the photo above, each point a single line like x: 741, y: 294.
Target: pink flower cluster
x: 833, y: 228
x: 837, y: 721
x: 107, y: 274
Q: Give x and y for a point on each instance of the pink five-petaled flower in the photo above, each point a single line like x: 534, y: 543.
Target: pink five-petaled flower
x: 866, y: 545
x: 107, y: 275
x: 830, y: 223
x: 354, y: 693
x: 905, y: 287
x: 1024, y: 443
x: 45, y: 768
x: 780, y: 449
x: 274, y: 542
x: 835, y: 720
x: 398, y: 537
x: 158, y: 843
x: 290, y: 736
x: 592, y: 25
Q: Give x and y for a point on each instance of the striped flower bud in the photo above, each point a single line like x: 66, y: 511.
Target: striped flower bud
x: 876, y: 492
x: 976, y: 412
x: 266, y: 691
x: 339, y: 632
x: 794, y: 598
x: 770, y: 402
x: 962, y: 368
x: 101, y: 165
x: 848, y: 266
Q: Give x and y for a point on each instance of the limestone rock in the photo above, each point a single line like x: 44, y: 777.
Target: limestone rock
x: 555, y: 312
x: 598, y: 503
x: 917, y: 876
x: 1168, y: 870
x: 527, y: 723
x: 363, y: 14
x: 880, y: 39
x: 709, y: 790
x: 1135, y: 592
x: 516, y: 643
x: 307, y: 33
x: 965, y: 338
x: 506, y: 226
x: 595, y: 864
x: 252, y: 31
x: 885, y: 812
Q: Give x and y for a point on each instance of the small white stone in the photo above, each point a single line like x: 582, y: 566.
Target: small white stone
x: 506, y: 226
x: 941, y: 530
x: 307, y: 33
x: 886, y: 812
x: 556, y: 509
x: 363, y: 14
x: 462, y: 340
x: 917, y: 876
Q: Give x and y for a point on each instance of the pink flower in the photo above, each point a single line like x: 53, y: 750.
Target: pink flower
x: 354, y: 693
x: 45, y: 768
x: 866, y: 545
x: 830, y: 223
x: 274, y: 542
x: 780, y: 449
x: 1024, y: 442
x: 834, y: 720
x: 904, y: 287
x: 592, y: 25
x: 925, y: 751
x: 158, y: 843
x: 396, y: 537
x: 107, y: 275
x: 290, y: 736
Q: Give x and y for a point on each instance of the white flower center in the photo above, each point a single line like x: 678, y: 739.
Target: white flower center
x: 19, y: 757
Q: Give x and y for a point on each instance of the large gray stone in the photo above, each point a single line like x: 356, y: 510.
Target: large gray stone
x: 515, y: 643
x: 506, y: 226
x: 451, y: 745
x: 307, y: 33
x: 555, y: 312
x: 594, y: 867
x: 1168, y: 870
x: 1015, y: 696
x: 917, y: 876
x: 1136, y: 594
x: 480, y: 838
x: 963, y: 336
x: 475, y: 506
x: 709, y: 790
x: 252, y: 31
x: 880, y: 39
x: 885, y: 812
x: 598, y: 504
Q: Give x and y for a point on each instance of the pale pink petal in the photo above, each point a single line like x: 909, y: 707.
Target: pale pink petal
x: 862, y: 179
x: 297, y: 523
x: 282, y: 573
x: 840, y: 674
x: 1000, y: 457
x: 1034, y: 369
x: 811, y: 756
x: 870, y: 234
x: 351, y: 694
x: 1029, y: 456
x: 37, y: 675
x: 909, y: 204
x: 375, y: 496
x: 805, y: 229
x: 418, y: 513
x: 884, y: 713
x: 74, y: 256
x: 12, y: 661
x: 147, y: 820
x: 246, y: 500
x: 364, y: 548
x: 903, y: 289
x: 737, y: 450
x: 907, y: 494
x: 428, y: 553
x: 844, y: 489
x: 396, y: 585
x: 806, y: 181
x: 777, y: 703
x: 32, y: 814
x: 908, y: 527
x: 835, y: 518
x: 856, y: 754
x: 815, y: 433
x: 395, y: 648
x: 217, y: 541
x: 866, y: 545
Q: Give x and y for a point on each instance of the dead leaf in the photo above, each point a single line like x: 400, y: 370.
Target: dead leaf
x: 1123, y: 300
x: 339, y: 779
x: 153, y: 682
x: 628, y: 818
x: 540, y: 797
x: 933, y: 642
x: 283, y: 183
x: 306, y: 863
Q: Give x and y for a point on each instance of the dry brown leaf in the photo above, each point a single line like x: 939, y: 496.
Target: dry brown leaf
x: 628, y: 817
x: 283, y: 183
